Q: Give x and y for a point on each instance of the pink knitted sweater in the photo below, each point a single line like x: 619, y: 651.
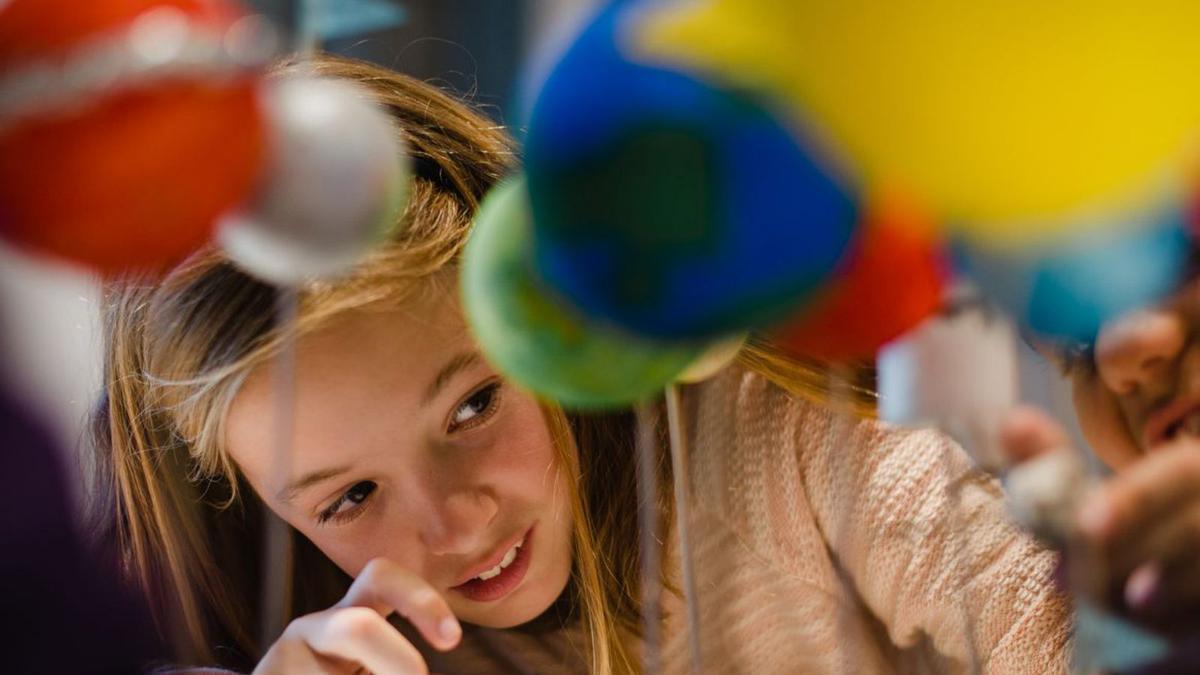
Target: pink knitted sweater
x: 824, y: 544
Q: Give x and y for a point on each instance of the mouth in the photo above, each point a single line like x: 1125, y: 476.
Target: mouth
x: 1175, y: 420
x: 501, y: 573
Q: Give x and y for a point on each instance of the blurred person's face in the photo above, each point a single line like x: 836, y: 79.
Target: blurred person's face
x: 1138, y: 386
x: 407, y: 445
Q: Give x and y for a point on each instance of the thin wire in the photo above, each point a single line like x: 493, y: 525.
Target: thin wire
x: 276, y: 541
x: 307, y: 38
x: 954, y: 488
x: 277, y: 553
x: 683, y: 489
x: 648, y: 515
x: 840, y: 434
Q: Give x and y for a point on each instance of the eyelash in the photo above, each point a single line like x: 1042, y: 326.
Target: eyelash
x: 331, y: 512
x: 493, y: 402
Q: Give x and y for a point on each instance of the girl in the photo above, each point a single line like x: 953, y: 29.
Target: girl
x: 498, y: 532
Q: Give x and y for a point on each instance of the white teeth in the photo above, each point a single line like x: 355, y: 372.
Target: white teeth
x: 492, y: 573
x: 504, y: 562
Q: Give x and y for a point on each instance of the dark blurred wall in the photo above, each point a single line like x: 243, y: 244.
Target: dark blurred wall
x: 473, y: 47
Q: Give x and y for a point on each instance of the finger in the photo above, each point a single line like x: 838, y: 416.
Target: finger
x: 1168, y: 541
x: 386, y: 587
x: 292, y: 655
x: 361, y: 635
x: 1027, y: 432
x: 1145, y: 491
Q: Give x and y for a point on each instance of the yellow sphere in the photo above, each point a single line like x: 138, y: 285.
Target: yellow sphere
x: 1015, y: 119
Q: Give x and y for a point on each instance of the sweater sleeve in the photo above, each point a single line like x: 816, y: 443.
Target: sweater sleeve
x: 925, y: 538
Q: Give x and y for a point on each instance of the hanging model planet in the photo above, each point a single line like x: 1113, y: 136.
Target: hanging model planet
x: 336, y: 183
x: 531, y: 338
x: 671, y: 206
x: 126, y: 127
x: 894, y: 277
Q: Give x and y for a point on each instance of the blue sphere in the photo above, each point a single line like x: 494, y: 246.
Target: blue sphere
x: 1070, y: 288
x: 669, y: 205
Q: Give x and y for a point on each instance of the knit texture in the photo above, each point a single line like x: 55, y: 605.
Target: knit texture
x: 828, y: 544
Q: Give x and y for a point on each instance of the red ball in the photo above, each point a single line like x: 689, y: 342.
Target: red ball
x: 892, y: 279
x: 127, y: 178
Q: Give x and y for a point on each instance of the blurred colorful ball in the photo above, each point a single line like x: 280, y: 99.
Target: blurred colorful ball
x: 670, y: 206
x: 133, y: 175
x: 338, y: 176
x: 1069, y: 289
x: 538, y: 343
x: 1008, y: 117
x: 894, y: 277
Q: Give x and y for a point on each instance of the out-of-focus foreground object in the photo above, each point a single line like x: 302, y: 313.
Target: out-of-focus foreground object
x: 126, y: 126
x: 894, y: 276
x: 670, y: 205
x: 529, y: 336
x: 337, y: 180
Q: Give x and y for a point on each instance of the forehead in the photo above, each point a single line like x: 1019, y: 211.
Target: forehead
x: 360, y: 368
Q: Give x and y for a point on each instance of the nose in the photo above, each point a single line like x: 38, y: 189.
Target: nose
x: 1136, y: 348
x: 458, y: 522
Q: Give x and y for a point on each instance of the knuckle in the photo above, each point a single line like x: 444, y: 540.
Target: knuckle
x: 374, y: 569
x: 297, y: 628
x: 424, y: 601
x: 353, y: 624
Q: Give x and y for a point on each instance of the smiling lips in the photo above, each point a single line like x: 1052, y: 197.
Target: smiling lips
x: 501, y: 574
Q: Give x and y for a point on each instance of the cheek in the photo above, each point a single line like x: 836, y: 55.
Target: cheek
x: 538, y: 481
x: 521, y: 461
x: 1103, y: 424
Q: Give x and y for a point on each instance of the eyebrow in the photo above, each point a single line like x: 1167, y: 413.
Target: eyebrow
x: 454, y: 366
x: 290, y: 492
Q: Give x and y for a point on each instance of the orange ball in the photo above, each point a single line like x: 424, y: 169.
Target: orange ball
x: 892, y: 279
x: 127, y: 178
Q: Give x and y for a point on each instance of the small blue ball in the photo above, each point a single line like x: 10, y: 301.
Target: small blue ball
x: 1071, y: 288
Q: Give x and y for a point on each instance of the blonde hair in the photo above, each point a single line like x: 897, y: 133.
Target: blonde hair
x: 186, y: 530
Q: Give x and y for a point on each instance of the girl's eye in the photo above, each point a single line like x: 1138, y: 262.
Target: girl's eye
x: 476, y: 409
x: 349, y: 505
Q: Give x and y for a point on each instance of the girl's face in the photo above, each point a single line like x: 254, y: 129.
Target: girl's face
x: 1139, y: 385
x: 407, y: 445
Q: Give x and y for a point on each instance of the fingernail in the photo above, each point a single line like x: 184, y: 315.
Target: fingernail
x: 1141, y: 586
x: 1094, y: 517
x: 450, y: 629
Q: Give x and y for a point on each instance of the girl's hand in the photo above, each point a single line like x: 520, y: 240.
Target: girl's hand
x: 354, y: 635
x: 1143, y: 523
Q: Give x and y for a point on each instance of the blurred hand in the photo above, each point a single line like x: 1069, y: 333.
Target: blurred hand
x: 355, y: 636
x: 1143, y: 523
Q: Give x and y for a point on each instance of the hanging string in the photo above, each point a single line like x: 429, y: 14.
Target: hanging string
x: 676, y: 429
x: 651, y: 543
x: 276, y: 570
x: 839, y: 435
x: 277, y: 553
x: 306, y: 39
x: 954, y: 484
